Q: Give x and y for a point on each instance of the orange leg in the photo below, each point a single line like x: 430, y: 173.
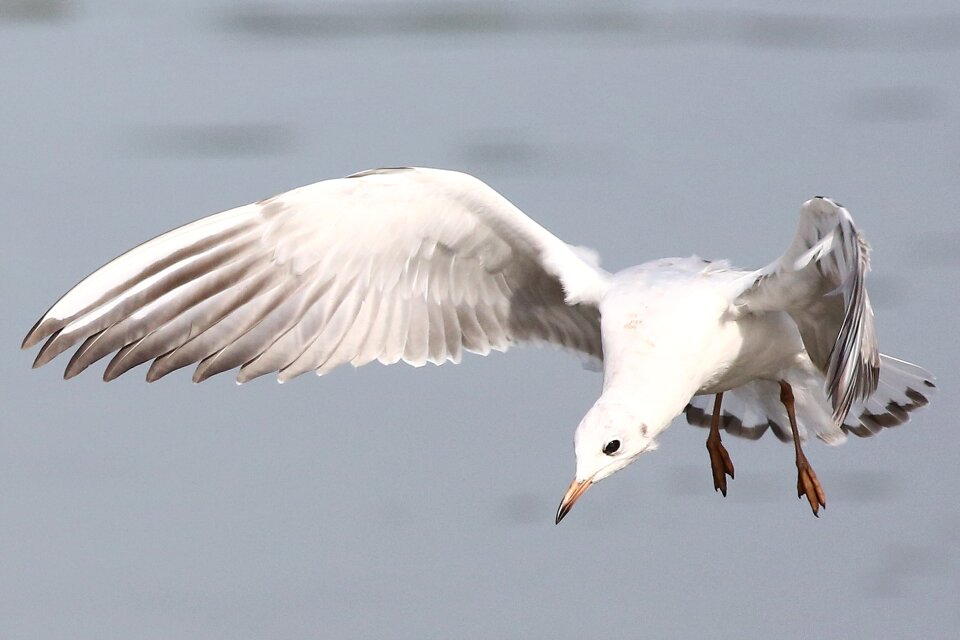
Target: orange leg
x: 807, y: 482
x: 719, y: 458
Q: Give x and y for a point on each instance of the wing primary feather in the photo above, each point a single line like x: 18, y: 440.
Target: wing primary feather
x: 68, y: 372
x: 111, y: 280
x: 199, y: 319
x: 144, y: 292
x: 224, y: 332
x: 160, y: 311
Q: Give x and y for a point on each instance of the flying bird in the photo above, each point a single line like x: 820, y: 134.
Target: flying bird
x: 422, y: 265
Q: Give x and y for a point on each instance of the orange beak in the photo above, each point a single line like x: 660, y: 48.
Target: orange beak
x: 574, y: 491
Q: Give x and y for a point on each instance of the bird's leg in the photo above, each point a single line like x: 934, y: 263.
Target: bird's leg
x: 719, y: 458
x: 807, y: 482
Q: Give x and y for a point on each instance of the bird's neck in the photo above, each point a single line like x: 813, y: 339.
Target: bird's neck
x: 650, y: 402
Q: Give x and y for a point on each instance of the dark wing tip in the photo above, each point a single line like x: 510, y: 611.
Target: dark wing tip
x: 49, y: 350
x: 84, y: 356
x: 155, y: 372
x: 40, y: 330
x: 119, y: 364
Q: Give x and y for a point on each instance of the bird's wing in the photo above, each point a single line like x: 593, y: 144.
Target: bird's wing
x: 819, y: 281
x: 404, y: 264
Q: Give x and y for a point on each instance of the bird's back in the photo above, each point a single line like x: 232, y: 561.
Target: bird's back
x: 664, y: 328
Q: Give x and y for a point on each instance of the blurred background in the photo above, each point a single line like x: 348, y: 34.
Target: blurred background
x: 418, y: 503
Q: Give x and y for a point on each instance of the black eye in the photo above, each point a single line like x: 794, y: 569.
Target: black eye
x: 611, y: 447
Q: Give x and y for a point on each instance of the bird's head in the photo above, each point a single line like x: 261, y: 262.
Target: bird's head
x: 607, y: 440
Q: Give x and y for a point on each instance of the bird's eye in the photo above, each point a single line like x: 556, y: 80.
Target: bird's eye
x: 611, y: 447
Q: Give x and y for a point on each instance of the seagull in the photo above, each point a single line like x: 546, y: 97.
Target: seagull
x: 422, y: 265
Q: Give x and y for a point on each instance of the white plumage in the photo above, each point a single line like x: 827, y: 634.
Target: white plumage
x: 420, y: 265
x: 396, y: 264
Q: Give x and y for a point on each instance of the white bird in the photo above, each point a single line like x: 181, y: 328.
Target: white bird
x: 421, y: 265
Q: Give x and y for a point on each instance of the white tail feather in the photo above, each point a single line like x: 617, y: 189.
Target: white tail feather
x: 749, y: 411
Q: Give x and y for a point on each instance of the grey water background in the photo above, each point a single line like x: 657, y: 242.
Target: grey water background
x: 402, y: 503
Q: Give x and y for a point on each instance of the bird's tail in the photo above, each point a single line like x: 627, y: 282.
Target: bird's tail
x: 750, y: 410
x: 903, y: 388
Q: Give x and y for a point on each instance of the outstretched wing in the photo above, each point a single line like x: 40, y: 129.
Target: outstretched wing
x: 405, y: 264
x: 819, y: 281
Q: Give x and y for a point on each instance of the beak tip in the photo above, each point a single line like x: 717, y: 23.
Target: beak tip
x: 573, y: 493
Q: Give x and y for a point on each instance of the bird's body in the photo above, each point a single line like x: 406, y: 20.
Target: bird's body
x: 421, y: 265
x: 670, y: 332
